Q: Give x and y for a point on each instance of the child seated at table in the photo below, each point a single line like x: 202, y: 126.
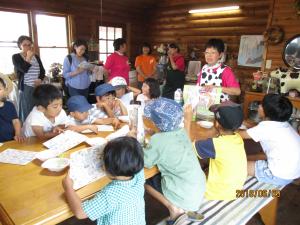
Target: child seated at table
x: 121, y: 201
x: 279, y: 141
x: 80, y: 119
x: 107, y: 104
x: 180, y: 185
x: 10, y: 128
x: 228, y: 162
x: 150, y: 90
x: 123, y: 92
x: 47, y: 118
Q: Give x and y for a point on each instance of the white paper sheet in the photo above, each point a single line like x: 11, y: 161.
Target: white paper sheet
x: 86, y: 166
x: 15, y: 156
x: 65, y: 141
x: 107, y: 128
x: 119, y: 133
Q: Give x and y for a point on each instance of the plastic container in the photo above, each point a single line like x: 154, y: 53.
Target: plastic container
x: 178, y: 96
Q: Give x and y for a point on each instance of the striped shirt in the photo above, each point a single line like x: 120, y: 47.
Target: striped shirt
x: 33, y: 72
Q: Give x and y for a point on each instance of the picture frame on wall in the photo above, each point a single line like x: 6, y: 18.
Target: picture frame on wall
x: 251, y: 50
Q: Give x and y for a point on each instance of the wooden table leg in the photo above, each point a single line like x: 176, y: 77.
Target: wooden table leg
x: 269, y: 212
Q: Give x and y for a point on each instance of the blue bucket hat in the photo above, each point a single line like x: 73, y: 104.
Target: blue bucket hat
x: 165, y: 113
x: 78, y: 103
x: 103, y: 89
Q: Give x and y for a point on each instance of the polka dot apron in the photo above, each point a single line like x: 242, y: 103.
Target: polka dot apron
x: 212, y: 75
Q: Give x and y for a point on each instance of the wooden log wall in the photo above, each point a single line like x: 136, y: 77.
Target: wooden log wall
x: 285, y: 16
x: 86, y: 16
x: 171, y: 22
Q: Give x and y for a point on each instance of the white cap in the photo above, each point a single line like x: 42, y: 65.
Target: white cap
x: 118, y: 81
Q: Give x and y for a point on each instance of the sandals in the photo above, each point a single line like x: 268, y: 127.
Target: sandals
x: 179, y: 220
x: 192, y: 216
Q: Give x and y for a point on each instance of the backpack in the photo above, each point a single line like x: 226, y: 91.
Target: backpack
x: 70, y: 59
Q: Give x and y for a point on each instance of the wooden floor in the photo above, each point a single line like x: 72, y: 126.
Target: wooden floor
x: 288, y: 211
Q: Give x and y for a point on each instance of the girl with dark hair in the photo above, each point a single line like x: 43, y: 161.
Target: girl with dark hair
x: 145, y: 65
x: 77, y: 77
x: 117, y: 63
x: 30, y: 72
x: 122, y: 200
x: 150, y: 90
x: 175, y: 72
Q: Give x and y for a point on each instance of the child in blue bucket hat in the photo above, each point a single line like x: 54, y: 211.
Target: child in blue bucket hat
x: 107, y: 101
x: 80, y: 117
x: 180, y: 186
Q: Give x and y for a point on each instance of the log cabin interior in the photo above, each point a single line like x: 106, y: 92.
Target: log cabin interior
x: 161, y: 22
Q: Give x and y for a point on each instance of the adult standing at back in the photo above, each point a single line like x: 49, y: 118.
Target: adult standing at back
x: 145, y: 65
x: 30, y: 72
x: 175, y: 72
x: 77, y: 77
x: 117, y: 63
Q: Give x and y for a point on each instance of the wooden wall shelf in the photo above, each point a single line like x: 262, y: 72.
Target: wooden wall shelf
x: 255, y: 96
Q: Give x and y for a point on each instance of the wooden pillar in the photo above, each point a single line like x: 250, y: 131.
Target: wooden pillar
x: 128, y: 39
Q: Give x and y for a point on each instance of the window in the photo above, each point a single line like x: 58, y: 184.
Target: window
x: 8, y: 39
x: 107, y: 35
x: 50, y: 38
x: 54, y: 49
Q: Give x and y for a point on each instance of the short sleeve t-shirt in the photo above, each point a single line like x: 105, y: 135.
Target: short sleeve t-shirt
x: 281, y: 144
x: 117, y: 65
x: 227, y: 165
x: 120, y: 202
x: 37, y: 118
x: 147, y: 64
x: 7, y: 115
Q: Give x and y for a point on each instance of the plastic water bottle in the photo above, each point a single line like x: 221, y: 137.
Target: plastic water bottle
x: 178, y: 97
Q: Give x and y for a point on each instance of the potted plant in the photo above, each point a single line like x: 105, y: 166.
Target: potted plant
x: 55, y: 72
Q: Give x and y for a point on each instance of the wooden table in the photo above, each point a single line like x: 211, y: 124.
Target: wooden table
x: 32, y: 195
x: 256, y: 96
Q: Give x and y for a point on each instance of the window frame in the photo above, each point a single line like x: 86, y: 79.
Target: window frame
x: 114, y: 25
x: 32, y: 27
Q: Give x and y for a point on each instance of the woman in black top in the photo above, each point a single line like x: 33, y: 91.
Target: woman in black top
x: 30, y: 72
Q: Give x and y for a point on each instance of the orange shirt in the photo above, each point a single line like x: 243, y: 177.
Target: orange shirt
x: 147, y: 64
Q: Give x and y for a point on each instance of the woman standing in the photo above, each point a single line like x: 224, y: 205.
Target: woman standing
x: 145, y: 65
x: 175, y: 72
x: 30, y: 72
x: 117, y: 63
x: 76, y: 76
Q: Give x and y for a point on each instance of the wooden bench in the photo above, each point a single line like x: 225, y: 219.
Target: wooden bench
x: 241, y: 210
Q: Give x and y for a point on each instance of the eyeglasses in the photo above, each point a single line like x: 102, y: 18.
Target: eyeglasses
x: 210, y: 53
x: 29, y: 45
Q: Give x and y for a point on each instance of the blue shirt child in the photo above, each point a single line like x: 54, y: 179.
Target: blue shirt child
x: 7, y: 114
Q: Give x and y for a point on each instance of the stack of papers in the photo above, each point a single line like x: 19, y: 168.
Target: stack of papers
x: 65, y: 141
x: 86, y: 166
x: 15, y: 156
x: 61, y: 143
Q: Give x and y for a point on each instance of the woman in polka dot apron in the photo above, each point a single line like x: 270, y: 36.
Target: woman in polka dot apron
x: 216, y: 74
